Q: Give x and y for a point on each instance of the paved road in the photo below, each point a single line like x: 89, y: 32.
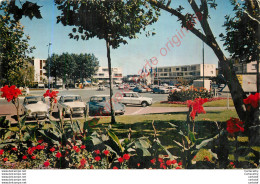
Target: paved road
x: 8, y: 109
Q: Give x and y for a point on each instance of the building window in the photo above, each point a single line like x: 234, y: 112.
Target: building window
x: 101, y: 74
x: 254, y: 67
x: 104, y: 69
x: 184, y: 69
x: 177, y: 69
x: 159, y: 70
x: 193, y: 67
x: 40, y: 72
x: 40, y: 64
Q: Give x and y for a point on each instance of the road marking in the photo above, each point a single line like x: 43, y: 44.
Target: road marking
x: 138, y: 111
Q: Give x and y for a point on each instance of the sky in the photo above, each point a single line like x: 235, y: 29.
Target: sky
x: 132, y: 56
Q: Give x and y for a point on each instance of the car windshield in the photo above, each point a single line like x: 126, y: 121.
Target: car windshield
x: 97, y: 99
x: 72, y: 99
x: 33, y: 100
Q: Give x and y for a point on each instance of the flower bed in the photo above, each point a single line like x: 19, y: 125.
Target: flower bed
x: 185, y: 103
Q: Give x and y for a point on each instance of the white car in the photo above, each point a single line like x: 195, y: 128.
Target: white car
x: 135, y: 98
x: 35, y: 107
x: 68, y: 104
x: 173, y: 88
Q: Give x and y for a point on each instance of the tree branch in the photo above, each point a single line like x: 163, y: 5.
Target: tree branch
x: 205, y: 8
x: 182, y: 18
x: 194, y: 6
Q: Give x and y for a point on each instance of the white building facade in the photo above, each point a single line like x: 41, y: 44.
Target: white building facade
x: 173, y: 74
x: 39, y: 71
x: 102, y: 75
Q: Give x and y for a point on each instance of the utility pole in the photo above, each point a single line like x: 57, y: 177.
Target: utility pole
x: 49, y: 68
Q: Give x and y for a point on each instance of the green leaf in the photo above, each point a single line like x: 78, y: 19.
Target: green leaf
x: 192, y: 137
x: 172, y: 157
x: 115, y: 139
x: 173, y: 125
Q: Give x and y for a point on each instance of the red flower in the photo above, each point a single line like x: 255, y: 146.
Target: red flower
x: 46, y: 163
x: 39, y: 147
x: 14, y: 149
x: 40, y: 141
x: 82, y: 147
x: 10, y: 93
x: 52, y: 95
x: 196, y: 106
x: 91, y: 167
x: 1, y: 151
x: 33, y: 157
x: 76, y: 148
x: 5, y: 159
x: 206, y: 158
x: 97, y: 152
x: 83, y: 161
x: 115, y: 167
x: 97, y: 158
x: 31, y: 150
x: 168, y: 162
x: 126, y: 156
x: 177, y: 168
x: 234, y: 125
x: 174, y: 161
x: 231, y: 163
x: 24, y: 157
x: 58, y: 154
x: 153, y: 161
x: 253, y: 100
x: 162, y: 165
x: 138, y: 164
x: 180, y: 163
x: 52, y: 149
x: 106, y: 152
x: 160, y: 160
x: 120, y: 159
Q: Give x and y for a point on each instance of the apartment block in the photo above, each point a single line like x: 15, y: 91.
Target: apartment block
x: 172, y: 74
x: 103, y: 76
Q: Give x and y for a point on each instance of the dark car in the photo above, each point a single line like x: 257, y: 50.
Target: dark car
x: 100, y: 105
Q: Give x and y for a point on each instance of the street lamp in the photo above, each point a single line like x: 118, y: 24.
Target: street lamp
x: 49, y: 63
x: 203, y: 61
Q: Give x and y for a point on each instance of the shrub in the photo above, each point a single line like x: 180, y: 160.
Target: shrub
x: 189, y: 94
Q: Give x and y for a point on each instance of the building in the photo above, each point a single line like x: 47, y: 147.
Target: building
x: 39, y: 71
x: 40, y: 74
x: 131, y: 78
x: 247, y: 68
x: 174, y: 74
x: 102, y: 75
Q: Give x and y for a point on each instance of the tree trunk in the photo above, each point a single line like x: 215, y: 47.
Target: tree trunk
x: 257, y: 77
x: 113, y: 119
x: 234, y: 86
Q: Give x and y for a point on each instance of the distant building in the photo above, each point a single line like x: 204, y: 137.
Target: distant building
x: 246, y: 68
x: 102, y: 75
x: 39, y: 71
x: 173, y: 74
x: 131, y: 78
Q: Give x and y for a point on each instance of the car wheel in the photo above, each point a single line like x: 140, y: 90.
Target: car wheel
x: 144, y: 104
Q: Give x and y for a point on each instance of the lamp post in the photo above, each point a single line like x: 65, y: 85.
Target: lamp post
x: 49, y: 63
x: 203, y: 62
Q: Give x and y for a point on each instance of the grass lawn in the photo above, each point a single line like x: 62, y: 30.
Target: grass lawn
x: 218, y: 103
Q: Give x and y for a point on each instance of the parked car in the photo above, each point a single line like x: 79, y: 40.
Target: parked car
x: 135, y: 98
x: 139, y: 90
x: 160, y: 90
x: 131, y: 87
x: 35, y: 107
x: 100, y: 105
x: 101, y: 88
x: 68, y: 104
x: 173, y: 88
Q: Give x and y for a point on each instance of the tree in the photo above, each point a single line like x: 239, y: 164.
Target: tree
x: 71, y: 66
x: 24, y: 76
x: 14, y: 45
x: 242, y: 33
x: 188, y: 21
x: 109, y: 20
x: 87, y: 66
